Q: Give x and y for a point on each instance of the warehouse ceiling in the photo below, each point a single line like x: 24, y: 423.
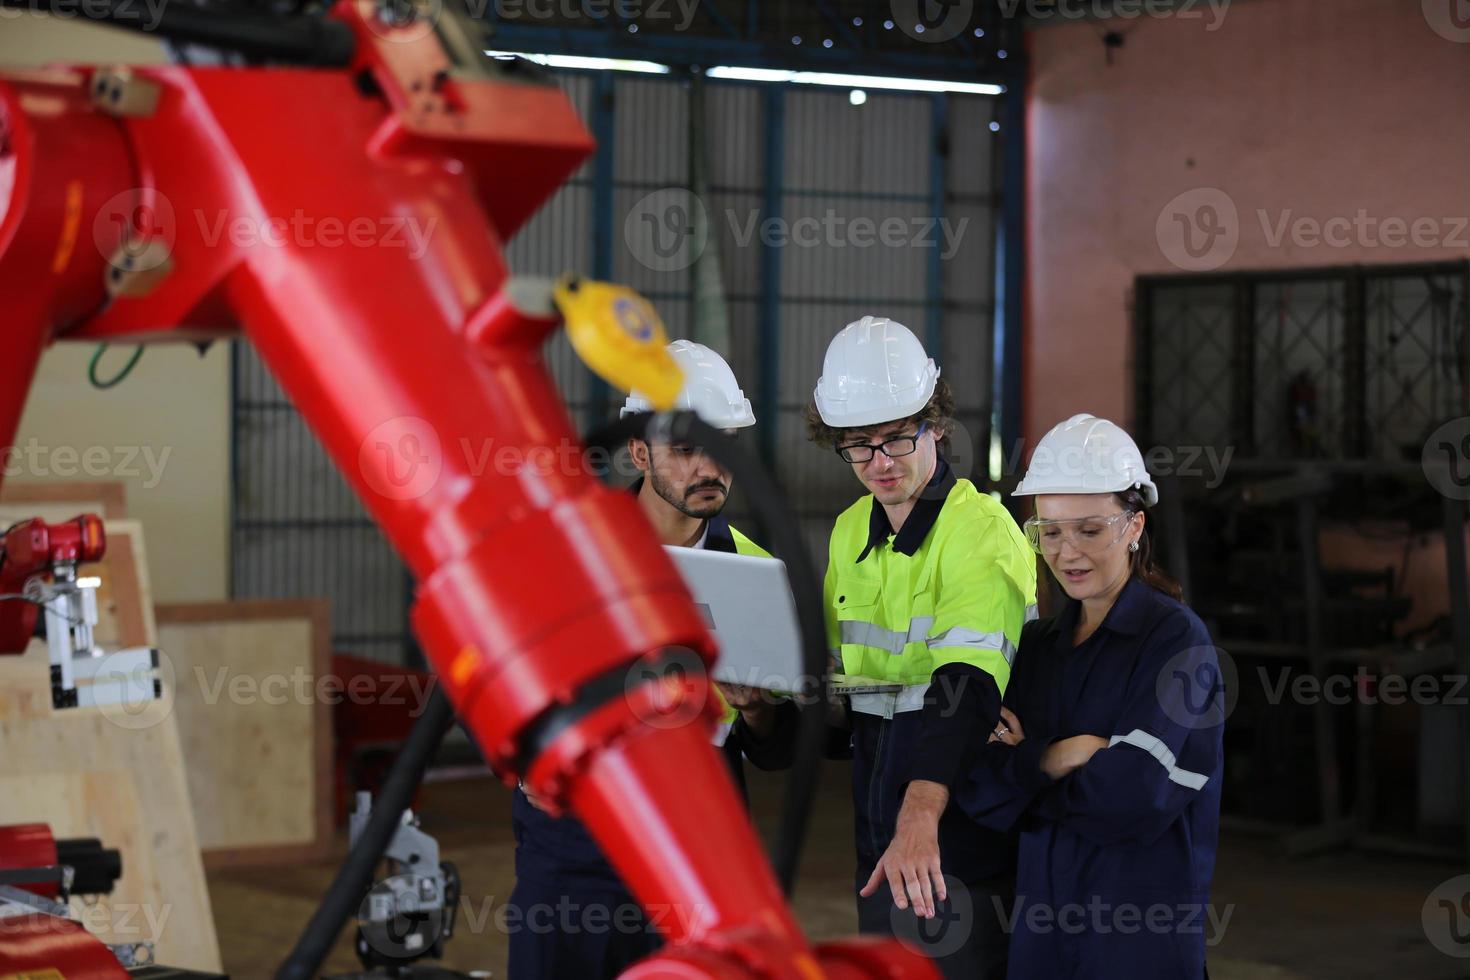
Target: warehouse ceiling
x: 937, y: 38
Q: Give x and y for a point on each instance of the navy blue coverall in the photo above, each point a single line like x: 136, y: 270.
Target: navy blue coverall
x: 1116, y: 858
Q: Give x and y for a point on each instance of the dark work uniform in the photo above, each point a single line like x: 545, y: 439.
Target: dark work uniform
x: 1116, y: 858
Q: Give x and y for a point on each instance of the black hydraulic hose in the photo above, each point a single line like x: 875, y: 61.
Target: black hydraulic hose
x: 784, y: 539
x: 355, y: 876
x: 297, y: 39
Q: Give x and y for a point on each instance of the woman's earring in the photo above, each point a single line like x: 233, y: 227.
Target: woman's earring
x: 1133, y: 546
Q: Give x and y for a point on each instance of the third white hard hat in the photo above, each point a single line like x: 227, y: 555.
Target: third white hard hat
x: 1086, y: 454
x: 875, y: 371
x: 710, y: 389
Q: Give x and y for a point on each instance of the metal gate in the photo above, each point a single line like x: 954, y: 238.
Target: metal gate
x: 1361, y: 362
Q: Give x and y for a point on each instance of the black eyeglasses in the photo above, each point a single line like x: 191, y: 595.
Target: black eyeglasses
x: 861, y: 452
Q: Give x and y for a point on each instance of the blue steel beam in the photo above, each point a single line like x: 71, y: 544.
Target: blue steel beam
x: 938, y: 181
x: 774, y: 166
x: 603, y: 128
x: 1011, y: 278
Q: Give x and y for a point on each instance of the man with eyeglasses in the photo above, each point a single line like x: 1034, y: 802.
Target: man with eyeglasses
x: 928, y: 584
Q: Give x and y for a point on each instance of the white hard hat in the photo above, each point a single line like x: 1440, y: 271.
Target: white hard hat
x: 710, y: 389
x: 875, y: 371
x: 1086, y: 454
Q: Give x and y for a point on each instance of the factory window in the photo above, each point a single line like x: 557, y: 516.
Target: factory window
x: 1358, y: 363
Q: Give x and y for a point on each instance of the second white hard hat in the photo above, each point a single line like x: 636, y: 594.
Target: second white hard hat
x: 875, y: 371
x: 710, y: 389
x: 1086, y: 454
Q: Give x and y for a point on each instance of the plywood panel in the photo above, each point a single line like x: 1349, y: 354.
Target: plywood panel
x: 255, y: 725
x: 115, y: 773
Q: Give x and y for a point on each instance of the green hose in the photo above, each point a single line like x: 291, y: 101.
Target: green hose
x: 127, y: 368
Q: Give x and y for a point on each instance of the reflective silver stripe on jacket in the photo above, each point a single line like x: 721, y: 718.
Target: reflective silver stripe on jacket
x: 866, y: 634
x: 959, y: 637
x: 911, y: 698
x: 1154, y: 746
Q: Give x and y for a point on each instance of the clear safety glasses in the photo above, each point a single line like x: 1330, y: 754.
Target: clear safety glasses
x: 1086, y: 534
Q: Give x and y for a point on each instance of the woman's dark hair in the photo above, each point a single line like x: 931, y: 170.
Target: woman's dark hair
x: 1141, y: 562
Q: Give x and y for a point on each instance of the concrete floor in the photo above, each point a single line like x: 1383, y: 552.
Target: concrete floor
x: 1343, y: 915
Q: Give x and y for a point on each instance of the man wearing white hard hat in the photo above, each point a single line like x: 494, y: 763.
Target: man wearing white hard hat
x: 928, y: 584
x: 1114, y: 785
x: 577, y: 920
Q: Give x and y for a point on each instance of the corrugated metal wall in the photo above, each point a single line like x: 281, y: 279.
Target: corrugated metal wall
x: 800, y: 185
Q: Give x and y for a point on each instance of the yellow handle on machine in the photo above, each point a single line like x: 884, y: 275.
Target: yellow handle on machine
x: 619, y: 335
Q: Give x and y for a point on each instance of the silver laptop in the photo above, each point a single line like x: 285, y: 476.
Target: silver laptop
x: 746, y: 602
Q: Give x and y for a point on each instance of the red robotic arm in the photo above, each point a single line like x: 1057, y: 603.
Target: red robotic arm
x: 351, y: 222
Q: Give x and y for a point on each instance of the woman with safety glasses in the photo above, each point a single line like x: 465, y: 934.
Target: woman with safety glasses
x: 1108, y: 754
